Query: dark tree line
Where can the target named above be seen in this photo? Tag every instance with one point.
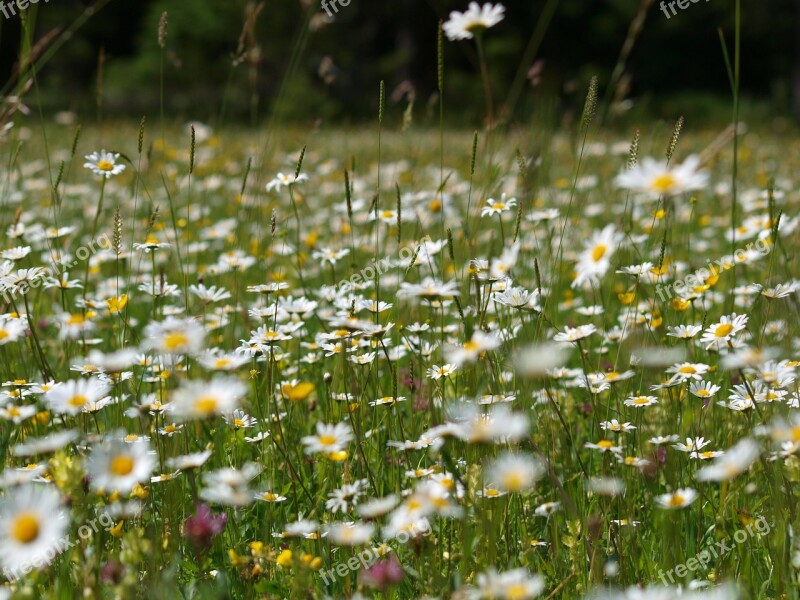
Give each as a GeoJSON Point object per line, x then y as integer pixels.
{"type": "Point", "coordinates": [232, 58]}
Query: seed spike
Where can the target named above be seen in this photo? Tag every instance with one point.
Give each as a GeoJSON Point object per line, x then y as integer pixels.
{"type": "Point", "coordinates": [590, 106]}
{"type": "Point", "coordinates": [440, 57]}
{"type": "Point", "coordinates": [673, 140]}
{"type": "Point", "coordinates": [141, 134]}
{"type": "Point", "coordinates": [381, 101]}
{"type": "Point", "coordinates": [75, 141]}
{"type": "Point", "coordinates": [191, 153]}
{"type": "Point", "coordinates": [474, 153]}
{"type": "Point", "coordinates": [300, 162]}
{"type": "Point", "coordinates": [633, 153]}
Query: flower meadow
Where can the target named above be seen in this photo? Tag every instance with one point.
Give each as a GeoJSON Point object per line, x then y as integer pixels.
{"type": "Point", "coordinates": [399, 363]}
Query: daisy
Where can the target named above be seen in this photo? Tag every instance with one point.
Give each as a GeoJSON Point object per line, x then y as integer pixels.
{"type": "Point", "coordinates": [575, 334]}
{"type": "Point", "coordinates": [722, 332]}
{"type": "Point", "coordinates": [692, 445]}
{"type": "Point", "coordinates": [463, 26]}
{"type": "Point", "coordinates": [490, 491]}
{"type": "Point", "coordinates": [150, 244]}
{"type": "Point", "coordinates": [115, 465]}
{"type": "Point", "coordinates": [287, 180]}
{"type": "Point", "coordinates": [518, 584]}
{"type": "Point", "coordinates": [33, 524]}
{"type": "Point", "coordinates": [73, 326]}
{"type": "Point", "coordinates": [678, 499]}
{"type": "Point", "coordinates": [641, 401]}
{"type": "Point", "coordinates": [604, 446]}
{"type": "Point", "coordinates": [270, 497]}
{"type": "Point", "coordinates": [349, 534]}
{"type": "Point", "coordinates": [685, 371]}
{"type": "Point", "coordinates": [229, 486]}
{"type": "Point", "coordinates": [663, 440]}
{"type": "Point", "coordinates": [201, 400]}
{"type": "Point", "coordinates": [706, 454]}
{"type": "Point", "coordinates": [633, 461]}
{"type": "Point", "coordinates": [657, 178]}
{"type": "Point", "coordinates": [104, 164]}
{"type": "Point", "coordinates": [515, 472]}
{"type": "Point", "coordinates": [703, 389]}
{"type": "Point", "coordinates": [387, 400]}
{"type": "Point", "coordinates": [684, 332]}
{"type": "Point", "coordinates": [76, 396]}
{"type": "Point", "coordinates": [240, 420]}
{"type": "Point", "coordinates": [472, 349]}
{"type": "Point", "coordinates": [329, 438]}
{"type": "Point", "coordinates": [209, 295]}
{"type": "Point", "coordinates": [175, 336]}
{"type": "Point", "coordinates": [189, 461]}
{"type": "Point", "coordinates": [498, 207]}
{"type": "Point", "coordinates": [436, 372]}
{"type": "Point", "coordinates": [45, 445]}
{"type": "Point", "coordinates": [11, 330]}
{"type": "Point", "coordinates": [377, 507]}
{"type": "Point", "coordinates": [595, 260]}
{"type": "Point", "coordinates": [429, 289]}
{"type": "Point", "coordinates": [616, 426]}
{"type": "Point", "coordinates": [539, 359]}
{"type": "Point", "coordinates": [547, 509]}
{"type": "Point", "coordinates": [734, 462]}
{"type": "Point", "coordinates": [339, 500]}
{"type": "Point", "coordinates": [222, 362]}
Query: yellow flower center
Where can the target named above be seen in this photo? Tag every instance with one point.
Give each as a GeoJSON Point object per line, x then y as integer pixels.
{"type": "Point", "coordinates": [641, 400]}
{"type": "Point", "coordinates": [175, 340]}
{"type": "Point", "coordinates": [664, 183]}
{"type": "Point", "coordinates": [78, 401]}
{"type": "Point", "coordinates": [703, 393]}
{"type": "Point", "coordinates": [26, 528]}
{"type": "Point", "coordinates": [723, 330]}
{"type": "Point", "coordinates": [676, 500]}
{"type": "Point", "coordinates": [206, 405]}
{"type": "Point", "coordinates": [491, 493]}
{"type": "Point", "coordinates": [470, 345]}
{"type": "Point", "coordinates": [121, 465]}
{"type": "Point", "coordinates": [599, 252]}
{"type": "Point", "coordinates": [513, 481]}
{"type": "Point", "coordinates": [76, 320]}
{"type": "Point", "coordinates": [105, 165]}
{"type": "Point", "coordinates": [517, 591]}
{"type": "Point", "coordinates": [327, 440]}
{"type": "Point", "coordinates": [3, 334]}
{"type": "Point", "coordinates": [605, 444]}
{"type": "Point", "coordinates": [687, 370]}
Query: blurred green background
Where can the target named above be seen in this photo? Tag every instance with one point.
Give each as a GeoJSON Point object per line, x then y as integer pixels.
{"type": "Point", "coordinates": [242, 61]}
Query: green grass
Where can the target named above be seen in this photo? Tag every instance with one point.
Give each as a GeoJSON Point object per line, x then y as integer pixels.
{"type": "Point", "coordinates": [150, 552]}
